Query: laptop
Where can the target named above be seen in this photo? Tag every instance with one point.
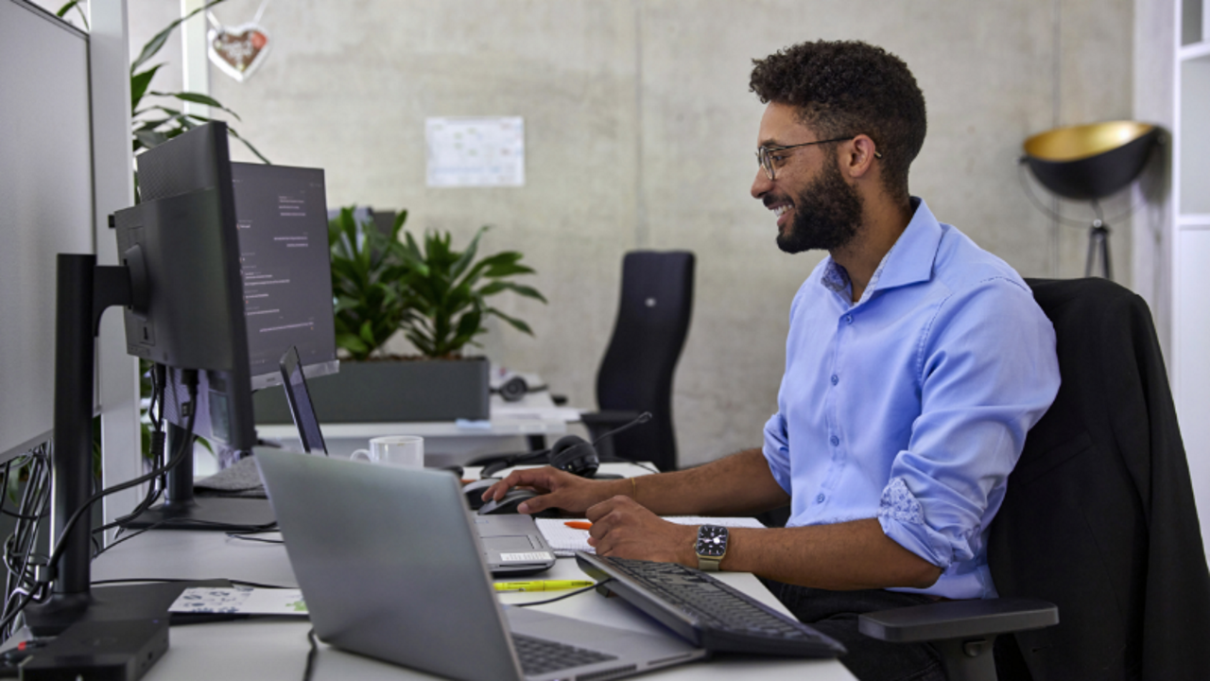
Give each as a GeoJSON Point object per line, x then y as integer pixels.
{"type": "Point", "coordinates": [512, 544]}
{"type": "Point", "coordinates": [391, 568]}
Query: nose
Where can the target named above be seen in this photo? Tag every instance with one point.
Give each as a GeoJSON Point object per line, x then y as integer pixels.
{"type": "Point", "coordinates": [761, 184]}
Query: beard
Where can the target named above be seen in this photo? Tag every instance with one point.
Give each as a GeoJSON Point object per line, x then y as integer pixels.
{"type": "Point", "coordinates": [827, 214]}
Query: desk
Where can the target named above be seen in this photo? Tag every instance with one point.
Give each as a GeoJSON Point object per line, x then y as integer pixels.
{"type": "Point", "coordinates": [448, 442]}
{"type": "Point", "coordinates": [273, 649]}
{"type": "Point", "coordinates": [276, 649]}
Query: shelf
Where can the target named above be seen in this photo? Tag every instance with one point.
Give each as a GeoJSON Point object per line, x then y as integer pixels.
{"type": "Point", "coordinates": [1195, 51]}
{"type": "Point", "coordinates": [1193, 223]}
{"type": "Point", "coordinates": [1193, 219]}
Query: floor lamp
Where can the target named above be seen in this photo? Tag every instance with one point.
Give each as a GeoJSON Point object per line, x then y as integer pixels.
{"type": "Point", "coordinates": [1088, 163]}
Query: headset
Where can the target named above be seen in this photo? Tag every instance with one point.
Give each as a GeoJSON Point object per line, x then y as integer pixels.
{"type": "Point", "coordinates": [570, 453]}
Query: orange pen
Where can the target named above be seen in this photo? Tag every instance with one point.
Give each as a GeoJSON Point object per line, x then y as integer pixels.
{"type": "Point", "coordinates": [578, 525]}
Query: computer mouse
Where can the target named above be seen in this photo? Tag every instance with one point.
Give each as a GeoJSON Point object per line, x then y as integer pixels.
{"type": "Point", "coordinates": [474, 491]}
{"type": "Point", "coordinates": [509, 503]}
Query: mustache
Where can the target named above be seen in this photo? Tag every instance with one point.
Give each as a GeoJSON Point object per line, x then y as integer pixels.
{"type": "Point", "coordinates": [770, 199]}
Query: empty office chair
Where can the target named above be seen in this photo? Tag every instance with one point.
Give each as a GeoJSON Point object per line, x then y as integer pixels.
{"type": "Point", "coordinates": [1099, 519]}
{"type": "Point", "coordinates": [636, 373]}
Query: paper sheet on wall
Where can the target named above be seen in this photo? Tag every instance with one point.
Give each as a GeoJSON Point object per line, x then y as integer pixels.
{"type": "Point", "coordinates": [565, 541]}
{"type": "Point", "coordinates": [475, 152]}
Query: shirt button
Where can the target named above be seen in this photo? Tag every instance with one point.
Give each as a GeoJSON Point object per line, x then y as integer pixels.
{"type": "Point", "coordinates": [834, 440]}
{"type": "Point", "coordinates": [848, 319]}
{"type": "Point", "coordinates": [835, 379]}
{"type": "Point", "coordinates": [819, 499]}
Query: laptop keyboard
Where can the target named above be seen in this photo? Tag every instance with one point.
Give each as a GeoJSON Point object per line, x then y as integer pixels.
{"type": "Point", "coordinates": [539, 656]}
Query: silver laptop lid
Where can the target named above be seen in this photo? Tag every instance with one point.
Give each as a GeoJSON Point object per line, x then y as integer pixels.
{"type": "Point", "coordinates": [419, 590]}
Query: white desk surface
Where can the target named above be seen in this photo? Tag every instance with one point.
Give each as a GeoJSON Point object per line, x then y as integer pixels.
{"type": "Point", "coordinates": [273, 649]}
{"type": "Point", "coordinates": [535, 414]}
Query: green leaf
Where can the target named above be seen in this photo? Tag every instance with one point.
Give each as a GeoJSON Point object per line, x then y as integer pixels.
{"type": "Point", "coordinates": [150, 138]}
{"type": "Point", "coordinates": [156, 43]}
{"type": "Point", "coordinates": [367, 331]}
{"type": "Point", "coordinates": [67, 8]}
{"type": "Point", "coordinates": [138, 86]}
{"type": "Point", "coordinates": [196, 98]}
{"type": "Point", "coordinates": [516, 323]}
{"type": "Point", "coordinates": [231, 131]}
{"type": "Point", "coordinates": [468, 255]}
{"type": "Point", "coordinates": [520, 289]}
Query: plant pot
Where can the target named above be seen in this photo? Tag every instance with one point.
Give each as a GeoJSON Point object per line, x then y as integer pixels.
{"type": "Point", "coordinates": [388, 392]}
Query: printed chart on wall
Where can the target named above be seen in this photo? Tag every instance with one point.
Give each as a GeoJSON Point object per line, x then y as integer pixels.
{"type": "Point", "coordinates": [476, 152]}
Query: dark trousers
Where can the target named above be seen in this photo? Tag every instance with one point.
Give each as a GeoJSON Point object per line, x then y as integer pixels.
{"type": "Point", "coordinates": [834, 613]}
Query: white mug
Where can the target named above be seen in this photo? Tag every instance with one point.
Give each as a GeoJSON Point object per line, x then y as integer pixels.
{"type": "Point", "coordinates": [394, 450]}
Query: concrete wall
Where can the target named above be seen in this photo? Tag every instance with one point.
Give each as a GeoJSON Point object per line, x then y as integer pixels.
{"type": "Point", "coordinates": [640, 133]}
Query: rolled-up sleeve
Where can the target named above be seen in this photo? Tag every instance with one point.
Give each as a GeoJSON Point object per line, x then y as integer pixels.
{"type": "Point", "coordinates": [777, 451]}
{"type": "Point", "coordinates": [988, 372]}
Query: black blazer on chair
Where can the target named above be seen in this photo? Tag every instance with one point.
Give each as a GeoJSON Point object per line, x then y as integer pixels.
{"type": "Point", "coordinates": [1099, 516]}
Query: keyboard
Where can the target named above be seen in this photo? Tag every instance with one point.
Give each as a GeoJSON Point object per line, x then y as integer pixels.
{"type": "Point", "coordinates": [706, 611]}
{"type": "Point", "coordinates": [539, 656]}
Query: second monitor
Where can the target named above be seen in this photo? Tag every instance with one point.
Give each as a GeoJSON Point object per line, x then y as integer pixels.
{"type": "Point", "coordinates": [282, 214]}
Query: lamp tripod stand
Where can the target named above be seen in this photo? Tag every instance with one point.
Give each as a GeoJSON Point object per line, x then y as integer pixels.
{"type": "Point", "coordinates": [1098, 246]}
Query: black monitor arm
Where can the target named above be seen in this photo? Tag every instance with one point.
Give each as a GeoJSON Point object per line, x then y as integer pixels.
{"type": "Point", "coordinates": [84, 291]}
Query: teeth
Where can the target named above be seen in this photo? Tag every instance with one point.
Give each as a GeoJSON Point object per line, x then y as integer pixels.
{"type": "Point", "coordinates": [780, 210]}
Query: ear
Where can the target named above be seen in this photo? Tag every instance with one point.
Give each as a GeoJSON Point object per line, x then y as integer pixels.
{"type": "Point", "coordinates": [859, 156]}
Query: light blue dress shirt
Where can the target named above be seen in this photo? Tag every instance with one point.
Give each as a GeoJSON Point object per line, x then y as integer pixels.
{"type": "Point", "coordinates": [912, 405]}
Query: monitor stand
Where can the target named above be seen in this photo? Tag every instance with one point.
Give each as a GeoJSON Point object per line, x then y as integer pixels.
{"type": "Point", "coordinates": [183, 510]}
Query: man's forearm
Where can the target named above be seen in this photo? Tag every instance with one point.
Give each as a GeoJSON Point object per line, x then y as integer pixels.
{"type": "Point", "coordinates": [844, 556]}
{"type": "Point", "coordinates": [740, 484]}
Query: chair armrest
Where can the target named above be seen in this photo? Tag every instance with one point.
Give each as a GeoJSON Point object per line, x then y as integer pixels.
{"type": "Point", "coordinates": [958, 619]}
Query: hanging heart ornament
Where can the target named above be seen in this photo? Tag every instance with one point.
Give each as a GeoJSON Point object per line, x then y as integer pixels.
{"type": "Point", "coordinates": [240, 50]}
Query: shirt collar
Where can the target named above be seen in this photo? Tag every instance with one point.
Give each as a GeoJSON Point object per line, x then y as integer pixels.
{"type": "Point", "coordinates": [909, 261]}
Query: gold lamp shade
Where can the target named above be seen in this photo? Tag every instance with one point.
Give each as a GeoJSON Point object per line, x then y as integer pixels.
{"type": "Point", "coordinates": [1090, 161]}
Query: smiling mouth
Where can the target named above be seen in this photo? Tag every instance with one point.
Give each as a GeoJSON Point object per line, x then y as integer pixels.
{"type": "Point", "coordinates": [779, 212]}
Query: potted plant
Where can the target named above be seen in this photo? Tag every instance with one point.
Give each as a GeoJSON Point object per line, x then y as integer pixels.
{"type": "Point", "coordinates": [436, 296]}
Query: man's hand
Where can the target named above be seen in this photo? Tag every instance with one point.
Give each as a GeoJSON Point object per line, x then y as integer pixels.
{"type": "Point", "coordinates": [624, 529]}
{"type": "Point", "coordinates": [558, 489]}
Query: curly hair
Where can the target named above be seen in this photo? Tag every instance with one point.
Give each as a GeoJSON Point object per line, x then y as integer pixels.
{"type": "Point", "coordinates": [849, 88]}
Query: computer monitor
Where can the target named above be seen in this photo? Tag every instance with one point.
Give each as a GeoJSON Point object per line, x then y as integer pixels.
{"type": "Point", "coordinates": [281, 213]}
{"type": "Point", "coordinates": [180, 283]}
{"type": "Point", "coordinates": [181, 245]}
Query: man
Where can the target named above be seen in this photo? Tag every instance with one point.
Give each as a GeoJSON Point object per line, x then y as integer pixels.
{"type": "Point", "coordinates": [915, 365]}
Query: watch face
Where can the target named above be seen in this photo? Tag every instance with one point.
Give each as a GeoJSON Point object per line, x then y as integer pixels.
{"type": "Point", "coordinates": [712, 541]}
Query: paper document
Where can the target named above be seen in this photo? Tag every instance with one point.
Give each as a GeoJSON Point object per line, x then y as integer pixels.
{"type": "Point", "coordinates": [566, 540]}
{"type": "Point", "coordinates": [240, 600]}
{"type": "Point", "coordinates": [476, 152]}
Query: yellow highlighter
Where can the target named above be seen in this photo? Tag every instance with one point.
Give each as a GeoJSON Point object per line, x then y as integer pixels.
{"type": "Point", "coordinates": [545, 585]}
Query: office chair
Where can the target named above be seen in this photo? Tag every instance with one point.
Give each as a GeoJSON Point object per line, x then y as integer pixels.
{"type": "Point", "coordinates": [1098, 518]}
{"type": "Point", "coordinates": [636, 373]}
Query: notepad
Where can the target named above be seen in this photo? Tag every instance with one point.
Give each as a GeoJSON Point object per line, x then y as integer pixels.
{"type": "Point", "coordinates": [240, 600]}
{"type": "Point", "coordinates": [565, 541]}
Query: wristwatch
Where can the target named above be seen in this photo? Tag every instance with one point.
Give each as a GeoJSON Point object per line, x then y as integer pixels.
{"type": "Point", "coordinates": [711, 546]}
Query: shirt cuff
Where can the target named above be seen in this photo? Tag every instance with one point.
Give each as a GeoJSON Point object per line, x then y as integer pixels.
{"type": "Point", "coordinates": [902, 519]}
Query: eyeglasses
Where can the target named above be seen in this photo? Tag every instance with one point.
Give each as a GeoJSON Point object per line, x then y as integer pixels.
{"type": "Point", "coordinates": [767, 155]}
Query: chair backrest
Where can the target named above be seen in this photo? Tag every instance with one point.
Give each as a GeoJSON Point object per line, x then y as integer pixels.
{"type": "Point", "coordinates": [1099, 516]}
{"type": "Point", "coordinates": [637, 370]}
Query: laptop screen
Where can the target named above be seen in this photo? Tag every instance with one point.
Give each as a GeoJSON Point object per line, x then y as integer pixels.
{"type": "Point", "coordinates": [299, 399]}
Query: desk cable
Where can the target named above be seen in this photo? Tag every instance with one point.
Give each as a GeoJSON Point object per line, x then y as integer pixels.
{"type": "Point", "coordinates": [560, 597]}
{"type": "Point", "coordinates": [37, 586]}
